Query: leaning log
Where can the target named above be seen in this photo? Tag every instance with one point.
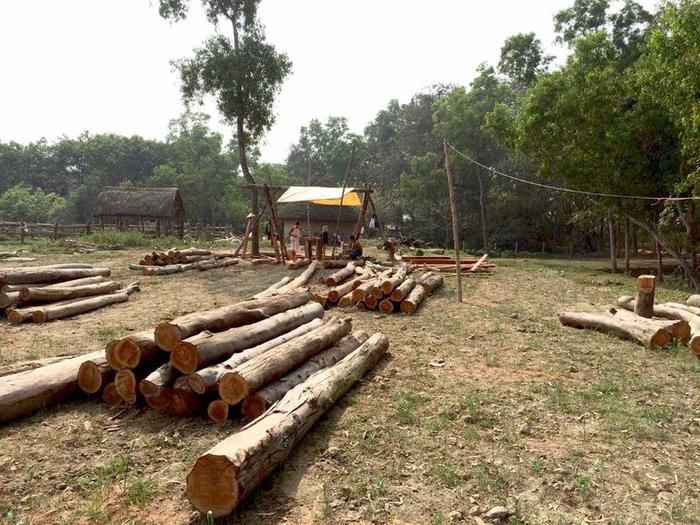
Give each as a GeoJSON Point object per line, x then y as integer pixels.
{"type": "Point", "coordinates": [256, 404]}
{"type": "Point", "coordinates": [254, 374]}
{"type": "Point", "coordinates": [646, 334]}
{"type": "Point", "coordinates": [47, 275]}
{"type": "Point", "coordinates": [204, 349]}
{"type": "Point", "coordinates": [24, 393]}
{"type": "Point", "coordinates": [273, 288]}
{"type": "Point", "coordinates": [338, 277]}
{"type": "Point", "coordinates": [53, 294]}
{"type": "Point", "coordinates": [300, 280]}
{"type": "Point", "coordinates": [410, 304]}
{"type": "Point", "coordinates": [167, 335]}
{"type": "Point", "coordinates": [227, 473]}
{"type": "Point", "coordinates": [206, 380]}
{"type": "Point", "coordinates": [216, 263]}
{"type": "Point", "coordinates": [402, 291]}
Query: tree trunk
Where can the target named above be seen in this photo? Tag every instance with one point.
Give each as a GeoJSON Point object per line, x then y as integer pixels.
{"type": "Point", "coordinates": [646, 334]}
{"type": "Point", "coordinates": [169, 334]}
{"type": "Point", "coordinates": [677, 329]}
{"type": "Point", "coordinates": [395, 280]}
{"type": "Point", "coordinates": [357, 232]}
{"type": "Point", "coordinates": [273, 288]}
{"type": "Point", "coordinates": [432, 282]}
{"type": "Point", "coordinates": [217, 263]}
{"type": "Point", "coordinates": [202, 350]}
{"type": "Point", "coordinates": [334, 294]}
{"type": "Point", "coordinates": [482, 212]}
{"type": "Point", "coordinates": [110, 395]}
{"type": "Point", "coordinates": [218, 410]}
{"type": "Point", "coordinates": [252, 375]}
{"type": "Point", "coordinates": [230, 471]}
{"type": "Point", "coordinates": [387, 306]}
{"type": "Point", "coordinates": [627, 246]}
{"type": "Point", "coordinates": [48, 275]}
{"type": "Point", "coordinates": [611, 231]}
{"type": "Point", "coordinates": [79, 306]}
{"type": "Point", "coordinates": [644, 305]}
{"type": "Point", "coordinates": [402, 291]}
{"type": "Point", "coordinates": [338, 277]}
{"type": "Point", "coordinates": [410, 304]}
{"type": "Point", "coordinates": [300, 280]}
{"type": "Point", "coordinates": [256, 404]}
{"type": "Point", "coordinates": [53, 294]}
{"type": "Point", "coordinates": [96, 372]}
{"type": "Point", "coordinates": [23, 393]}
{"type": "Point", "coordinates": [360, 293]}
{"type": "Point", "coordinates": [32, 364]}
{"type": "Point", "coordinates": [127, 385]}
{"type": "Point", "coordinates": [206, 379]}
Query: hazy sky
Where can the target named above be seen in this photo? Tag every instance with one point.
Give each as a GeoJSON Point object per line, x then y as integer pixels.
{"type": "Point", "coordinates": [104, 65]}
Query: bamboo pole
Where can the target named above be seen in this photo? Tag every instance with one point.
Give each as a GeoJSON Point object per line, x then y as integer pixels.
{"type": "Point", "coordinates": [455, 227]}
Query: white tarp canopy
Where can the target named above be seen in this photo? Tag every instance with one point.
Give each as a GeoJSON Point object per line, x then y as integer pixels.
{"type": "Point", "coordinates": [321, 195]}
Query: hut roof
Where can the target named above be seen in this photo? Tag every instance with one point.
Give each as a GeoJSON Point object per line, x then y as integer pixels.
{"type": "Point", "coordinates": [140, 202]}
{"type": "Point", "coordinates": [318, 212]}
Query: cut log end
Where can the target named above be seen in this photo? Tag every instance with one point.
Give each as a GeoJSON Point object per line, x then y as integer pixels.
{"type": "Point", "coordinates": [110, 395]}
{"type": "Point", "coordinates": [160, 401]}
{"type": "Point", "coordinates": [184, 357]}
{"type": "Point", "coordinates": [233, 388]}
{"type": "Point", "coordinates": [660, 339]}
{"type": "Point", "coordinates": [39, 316]}
{"type": "Point", "coordinates": [197, 384]}
{"type": "Point", "coordinates": [125, 381]}
{"type": "Point", "coordinates": [89, 377]}
{"type": "Point", "coordinates": [407, 307]}
{"type": "Point", "coordinates": [126, 353]}
{"type": "Point", "coordinates": [254, 406]}
{"type": "Point", "coordinates": [212, 485]}
{"type": "Point", "coordinates": [14, 317]}
{"type": "Point", "coordinates": [218, 410]}
{"type": "Point", "coordinates": [167, 336]}
{"type": "Point", "coordinates": [694, 345]}
{"type": "Point", "coordinates": [149, 389]}
{"type": "Point", "coordinates": [386, 306]}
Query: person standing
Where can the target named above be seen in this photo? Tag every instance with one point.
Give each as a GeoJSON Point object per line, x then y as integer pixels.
{"type": "Point", "coordinates": [295, 234]}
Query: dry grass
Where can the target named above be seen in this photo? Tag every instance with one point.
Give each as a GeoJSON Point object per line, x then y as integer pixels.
{"type": "Point", "coordinates": [614, 428]}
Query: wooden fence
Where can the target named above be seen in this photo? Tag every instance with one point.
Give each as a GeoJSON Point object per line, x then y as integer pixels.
{"type": "Point", "coordinates": [21, 230]}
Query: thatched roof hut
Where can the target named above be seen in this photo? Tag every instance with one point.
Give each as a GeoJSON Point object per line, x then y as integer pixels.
{"type": "Point", "coordinates": [129, 204]}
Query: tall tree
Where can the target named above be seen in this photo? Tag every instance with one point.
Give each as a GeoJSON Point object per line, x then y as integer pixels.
{"type": "Point", "coordinates": [243, 74]}
{"type": "Point", "coordinates": [523, 59]}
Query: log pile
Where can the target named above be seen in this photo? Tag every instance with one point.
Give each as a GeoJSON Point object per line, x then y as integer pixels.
{"type": "Point", "coordinates": [45, 293]}
{"type": "Point", "coordinates": [639, 319]}
{"type": "Point", "coordinates": [184, 256]}
{"type": "Point", "coordinates": [374, 287]}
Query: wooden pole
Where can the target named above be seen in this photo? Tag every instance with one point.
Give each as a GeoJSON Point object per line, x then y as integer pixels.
{"type": "Point", "coordinates": [644, 305]}
{"type": "Point", "coordinates": [342, 196]}
{"type": "Point", "coordinates": [455, 227]}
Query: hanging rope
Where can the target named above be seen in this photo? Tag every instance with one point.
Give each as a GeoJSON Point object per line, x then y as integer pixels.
{"type": "Point", "coordinates": [567, 190]}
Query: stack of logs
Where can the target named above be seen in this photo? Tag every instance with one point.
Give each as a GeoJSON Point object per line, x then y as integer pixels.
{"type": "Point", "coordinates": [376, 288]}
{"type": "Point", "coordinates": [176, 261]}
{"type": "Point", "coordinates": [639, 319]}
{"type": "Point", "coordinates": [446, 264]}
{"type": "Point", "coordinates": [45, 293]}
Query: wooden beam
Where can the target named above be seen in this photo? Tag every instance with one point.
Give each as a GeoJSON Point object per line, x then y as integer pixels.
{"type": "Point", "coordinates": [455, 227]}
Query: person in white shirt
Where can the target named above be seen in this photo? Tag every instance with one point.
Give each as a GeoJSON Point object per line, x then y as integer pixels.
{"type": "Point", "coordinates": [295, 234]}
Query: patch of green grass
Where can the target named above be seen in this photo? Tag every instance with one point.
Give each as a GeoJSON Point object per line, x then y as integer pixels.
{"type": "Point", "coordinates": [445, 474]}
{"type": "Point", "coordinates": [489, 479]}
{"type": "Point", "coordinates": [536, 465]}
{"type": "Point", "coordinates": [442, 421]}
{"type": "Point", "coordinates": [583, 483]}
{"type": "Point", "coordinates": [138, 492]}
{"type": "Point", "coordinates": [475, 403]}
{"type": "Point", "coordinates": [105, 334]}
{"type": "Point", "coordinates": [406, 404]}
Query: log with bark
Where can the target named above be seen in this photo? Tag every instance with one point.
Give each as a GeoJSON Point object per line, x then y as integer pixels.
{"type": "Point", "coordinates": [163, 377]}
{"type": "Point", "coordinates": [110, 395]}
{"type": "Point", "coordinates": [346, 301]}
{"type": "Point", "coordinates": [335, 293]}
{"type": "Point", "coordinates": [474, 267]}
{"type": "Point", "coordinates": [389, 283]}
{"type": "Point", "coordinates": [669, 311]}
{"type": "Point", "coordinates": [371, 302]}
{"type": "Point", "coordinates": [226, 474]}
{"type": "Point", "coordinates": [301, 263]}
{"type": "Point", "coordinates": [360, 293]}
{"type": "Point", "coordinates": [338, 277]}
{"type": "Point", "coordinates": [96, 372]}
{"type": "Point", "coordinates": [127, 385]}
{"type": "Point", "coordinates": [410, 304]}
{"type": "Point", "coordinates": [644, 304]}
{"type": "Point", "coordinates": [134, 350]}
{"type": "Point", "coordinates": [62, 293]}
{"type": "Point", "coordinates": [256, 404]}
{"type": "Point", "coordinates": [53, 311]}
{"type": "Point", "coordinates": [216, 263]}
{"type": "Point", "coordinates": [48, 275]}
{"type": "Point", "coordinates": [206, 380]}
{"type": "Point", "coordinates": [299, 281]}
{"type": "Point", "coordinates": [24, 393]}
{"type": "Point", "coordinates": [168, 334]}
{"type": "Point", "coordinates": [388, 306]}
{"type": "Point", "coordinates": [644, 333]}
{"type": "Point", "coordinates": [677, 328]}
{"type": "Point", "coordinates": [693, 300]}
{"type": "Point", "coordinates": [252, 375]}
{"type": "Point", "coordinates": [402, 291]}
{"type": "Point", "coordinates": [432, 283]}
{"type": "Point", "coordinates": [32, 364]}
{"type": "Point", "coordinates": [332, 264]}
{"type": "Point", "coordinates": [273, 288]}
{"type": "Point", "coordinates": [207, 348]}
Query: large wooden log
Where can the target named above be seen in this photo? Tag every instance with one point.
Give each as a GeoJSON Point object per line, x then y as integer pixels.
{"type": "Point", "coordinates": [677, 328]}
{"type": "Point", "coordinates": [371, 302]}
{"type": "Point", "coordinates": [432, 283]}
{"type": "Point", "coordinates": [252, 375]}
{"type": "Point", "coordinates": [644, 333]}
{"type": "Point", "coordinates": [79, 306]}
{"type": "Point", "coordinates": [387, 306]}
{"type": "Point", "coordinates": [301, 263]}
{"type": "Point", "coordinates": [134, 350]}
{"type": "Point", "coordinates": [216, 263]}
{"type": "Point", "coordinates": [227, 473]}
{"type": "Point", "coordinates": [167, 335]}
{"type": "Point", "coordinates": [32, 364]}
{"type": "Point", "coordinates": [332, 264]}
{"type": "Point", "coordinates": [334, 294]}
{"type": "Point", "coordinates": [474, 267]}
{"type": "Point", "coordinates": [256, 404]}
{"type": "Point", "coordinates": [393, 281]}
{"type": "Point", "coordinates": [273, 288]}
{"type": "Point", "coordinates": [11, 294]}
{"type": "Point", "coordinates": [693, 300]}
{"type": "Point", "coordinates": [96, 372]}
{"type": "Point", "coordinates": [47, 275]}
{"type": "Point", "coordinates": [346, 301]}
{"type": "Point", "coordinates": [19, 315]}
{"type": "Point", "coordinates": [204, 349]}
{"type": "Point", "coordinates": [161, 378]}
{"type": "Point", "coordinates": [402, 291]}
{"type": "Point", "coordinates": [24, 393]}
{"type": "Point", "coordinates": [300, 280]}
{"type": "Point", "coordinates": [110, 395]}
{"type": "Point", "coordinates": [206, 380]}
{"type": "Point", "coordinates": [669, 311]}
{"type": "Point", "coordinates": [127, 385]}
{"type": "Point", "coordinates": [360, 293]}
{"type": "Point", "coordinates": [410, 304]}
{"type": "Point", "coordinates": [644, 304]}
{"type": "Point", "coordinates": [62, 293]}
{"type": "Point", "coordinates": [338, 277]}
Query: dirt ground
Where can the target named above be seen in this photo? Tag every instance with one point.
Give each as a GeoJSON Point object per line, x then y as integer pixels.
{"type": "Point", "coordinates": [490, 402]}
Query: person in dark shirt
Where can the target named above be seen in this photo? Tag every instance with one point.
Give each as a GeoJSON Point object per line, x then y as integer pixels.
{"type": "Point", "coordinates": [355, 248]}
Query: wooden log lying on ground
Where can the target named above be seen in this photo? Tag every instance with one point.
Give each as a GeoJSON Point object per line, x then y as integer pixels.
{"type": "Point", "coordinates": [677, 328]}
{"type": "Point", "coordinates": [346, 301]}
{"type": "Point", "coordinates": [474, 267]}
{"type": "Point", "coordinates": [47, 275]}
{"type": "Point", "coordinates": [110, 395]}
{"type": "Point", "coordinates": [668, 311]}
{"type": "Point", "coordinates": [360, 293]}
{"type": "Point", "coordinates": [389, 283]}
{"type": "Point", "coordinates": [62, 293]}
{"type": "Point", "coordinates": [432, 283]}
{"type": "Point", "coordinates": [204, 349]}
{"type": "Point", "coordinates": [12, 292]}
{"type": "Point", "coordinates": [19, 315]}
{"type": "Point", "coordinates": [24, 393]}
{"type": "Point", "coordinates": [402, 291]}
{"type": "Point", "coordinates": [96, 372]}
{"type": "Point", "coordinates": [168, 334]}
{"type": "Point", "coordinates": [331, 264]}
{"type": "Point", "coordinates": [273, 288]}
{"type": "Point", "coordinates": [338, 277]}
{"type": "Point", "coordinates": [646, 334]}
{"type": "Point", "coordinates": [334, 294]}
{"type": "Point", "coordinates": [184, 402]}
{"type": "Point", "coordinates": [134, 350]}
{"type": "Point", "coordinates": [644, 304]}
{"type": "Point", "coordinates": [206, 380]}
{"type": "Point", "coordinates": [387, 306]}
{"type": "Point", "coordinates": [300, 280]}
{"type": "Point", "coordinates": [227, 473]}
{"type": "Point", "coordinates": [218, 410]}
{"type": "Point", "coordinates": [79, 306]}
{"type": "Point", "coordinates": [163, 377]}
{"type": "Point", "coordinates": [693, 300]}
{"type": "Point", "coordinates": [301, 263]}
{"type": "Point", "coordinates": [32, 364]}
{"type": "Point", "coordinates": [5, 255]}
{"type": "Point", "coordinates": [256, 404]}
{"type": "Point", "coordinates": [216, 263]}
{"type": "Point", "coordinates": [410, 304]}
{"type": "Point", "coordinates": [127, 385]}
{"type": "Point", "coordinates": [371, 302]}
{"type": "Point", "coordinates": [252, 375]}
